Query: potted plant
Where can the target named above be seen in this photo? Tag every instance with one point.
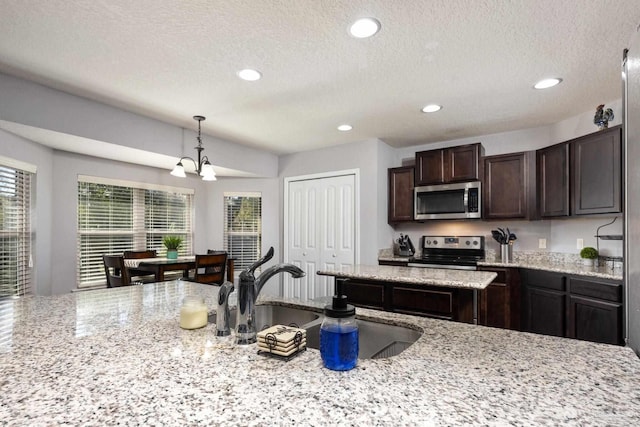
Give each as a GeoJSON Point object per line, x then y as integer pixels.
{"type": "Point", "coordinates": [172, 243]}
{"type": "Point", "coordinates": [588, 254]}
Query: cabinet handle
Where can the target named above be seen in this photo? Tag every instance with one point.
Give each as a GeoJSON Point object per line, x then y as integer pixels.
{"type": "Point", "coordinates": [334, 255]}
{"type": "Point", "coordinates": [304, 254]}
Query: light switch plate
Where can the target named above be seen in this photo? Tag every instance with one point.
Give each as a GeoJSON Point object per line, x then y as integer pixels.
{"type": "Point", "coordinates": [580, 244]}
{"type": "Point", "coordinates": [542, 243]}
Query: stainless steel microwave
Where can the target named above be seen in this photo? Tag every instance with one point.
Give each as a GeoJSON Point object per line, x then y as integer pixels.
{"type": "Point", "coordinates": [448, 201]}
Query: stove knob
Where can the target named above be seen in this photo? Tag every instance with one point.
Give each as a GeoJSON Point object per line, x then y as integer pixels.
{"type": "Point", "coordinates": [428, 242]}
{"type": "Point", "coordinates": [435, 242]}
{"type": "Point", "coordinates": [468, 243]}
{"type": "Point", "coordinates": [475, 242]}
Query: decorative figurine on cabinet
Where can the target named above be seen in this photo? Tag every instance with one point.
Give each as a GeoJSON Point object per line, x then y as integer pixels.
{"type": "Point", "coordinates": [602, 117]}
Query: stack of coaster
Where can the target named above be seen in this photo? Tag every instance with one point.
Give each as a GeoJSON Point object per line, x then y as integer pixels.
{"type": "Point", "coordinates": [280, 340]}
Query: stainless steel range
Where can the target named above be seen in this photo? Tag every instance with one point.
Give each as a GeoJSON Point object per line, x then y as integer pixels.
{"type": "Point", "coordinates": [452, 252]}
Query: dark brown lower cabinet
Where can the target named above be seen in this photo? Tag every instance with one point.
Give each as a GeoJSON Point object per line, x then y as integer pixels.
{"type": "Point", "coordinates": [572, 306]}
{"type": "Point", "coordinates": [434, 302]}
{"type": "Point", "coordinates": [365, 294]}
{"type": "Point", "coordinates": [499, 303]}
{"type": "Point", "coordinates": [593, 320]}
{"type": "Point", "coordinates": [545, 311]}
{"type": "Point", "coordinates": [429, 301]}
{"type": "Point", "coordinates": [595, 311]}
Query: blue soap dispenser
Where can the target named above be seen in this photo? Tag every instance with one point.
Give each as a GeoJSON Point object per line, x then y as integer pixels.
{"type": "Point", "coordinates": [339, 335]}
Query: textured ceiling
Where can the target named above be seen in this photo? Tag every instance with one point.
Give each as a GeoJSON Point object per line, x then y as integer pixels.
{"type": "Point", "coordinates": [478, 58]}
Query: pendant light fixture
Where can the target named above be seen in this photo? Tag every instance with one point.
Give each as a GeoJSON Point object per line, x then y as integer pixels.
{"type": "Point", "coordinates": [203, 167]}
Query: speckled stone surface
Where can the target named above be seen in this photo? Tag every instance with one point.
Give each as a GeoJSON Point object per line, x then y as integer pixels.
{"type": "Point", "coordinates": [118, 357]}
{"type": "Point", "coordinates": [415, 275]}
{"type": "Point", "coordinates": [549, 261]}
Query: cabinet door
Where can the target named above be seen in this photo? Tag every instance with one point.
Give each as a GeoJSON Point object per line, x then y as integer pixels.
{"type": "Point", "coordinates": [506, 186]}
{"type": "Point", "coordinates": [432, 302]}
{"type": "Point", "coordinates": [400, 194]}
{"type": "Point", "coordinates": [595, 320]}
{"type": "Point", "coordinates": [499, 303]}
{"type": "Point", "coordinates": [461, 163]}
{"type": "Point", "coordinates": [429, 167]}
{"type": "Point", "coordinates": [362, 294]}
{"type": "Point", "coordinates": [553, 180]}
{"type": "Point", "coordinates": [544, 311]}
{"type": "Point", "coordinates": [597, 172]}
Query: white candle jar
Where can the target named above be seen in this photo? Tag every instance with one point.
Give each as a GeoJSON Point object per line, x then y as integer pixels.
{"type": "Point", "coordinates": [193, 313]}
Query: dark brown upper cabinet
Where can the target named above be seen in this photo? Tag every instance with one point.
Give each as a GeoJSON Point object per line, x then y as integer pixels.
{"type": "Point", "coordinates": [400, 194]}
{"type": "Point", "coordinates": [509, 186]}
{"type": "Point", "coordinates": [596, 164]}
{"type": "Point", "coordinates": [553, 180]}
{"type": "Point", "coordinates": [454, 164]}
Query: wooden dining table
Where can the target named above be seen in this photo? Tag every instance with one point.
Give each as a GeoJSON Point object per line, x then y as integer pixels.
{"type": "Point", "coordinates": [159, 265]}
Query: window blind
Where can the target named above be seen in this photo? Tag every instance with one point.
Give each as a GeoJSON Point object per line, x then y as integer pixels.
{"type": "Point", "coordinates": [115, 218]}
{"type": "Point", "coordinates": [243, 228]}
{"type": "Point", "coordinates": [15, 232]}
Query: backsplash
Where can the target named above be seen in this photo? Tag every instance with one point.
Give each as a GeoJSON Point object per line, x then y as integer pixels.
{"type": "Point", "coordinates": [560, 235]}
{"type": "Point", "coordinates": [527, 257]}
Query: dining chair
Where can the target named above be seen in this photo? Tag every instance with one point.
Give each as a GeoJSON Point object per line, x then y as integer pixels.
{"type": "Point", "coordinates": [210, 268]}
{"type": "Point", "coordinates": [116, 272]}
{"type": "Point", "coordinates": [142, 275]}
{"type": "Point", "coordinates": [230, 263]}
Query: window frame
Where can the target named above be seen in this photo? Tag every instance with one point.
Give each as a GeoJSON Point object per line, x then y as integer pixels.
{"type": "Point", "coordinates": [20, 251]}
{"type": "Point", "coordinates": [137, 235]}
{"type": "Point", "coordinates": [243, 260]}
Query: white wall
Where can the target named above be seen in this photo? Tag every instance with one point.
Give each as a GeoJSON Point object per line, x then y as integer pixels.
{"type": "Point", "coordinates": [271, 232]}
{"type": "Point", "coordinates": [31, 104]}
{"type": "Point", "coordinates": [360, 155]}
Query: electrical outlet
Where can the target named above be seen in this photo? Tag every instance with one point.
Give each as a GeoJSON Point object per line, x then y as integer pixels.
{"type": "Point", "coordinates": [542, 243]}
{"type": "Point", "coordinates": [580, 244]}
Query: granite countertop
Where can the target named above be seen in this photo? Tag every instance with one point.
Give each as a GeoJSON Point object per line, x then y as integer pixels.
{"type": "Point", "coordinates": [533, 263]}
{"type": "Point", "coordinates": [415, 275]}
{"type": "Point", "coordinates": [118, 356]}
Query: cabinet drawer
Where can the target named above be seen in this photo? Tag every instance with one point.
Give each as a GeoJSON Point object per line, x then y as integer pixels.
{"type": "Point", "coordinates": [600, 290]}
{"type": "Point", "coordinates": [429, 301]}
{"type": "Point", "coordinates": [364, 294]}
{"type": "Point", "coordinates": [544, 279]}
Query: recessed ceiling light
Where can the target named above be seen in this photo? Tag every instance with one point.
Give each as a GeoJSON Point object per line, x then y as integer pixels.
{"type": "Point", "coordinates": [547, 83]}
{"type": "Point", "coordinates": [432, 108]}
{"type": "Point", "coordinates": [249, 75]}
{"type": "Point", "coordinates": [345, 128]}
{"type": "Point", "coordinates": [365, 27]}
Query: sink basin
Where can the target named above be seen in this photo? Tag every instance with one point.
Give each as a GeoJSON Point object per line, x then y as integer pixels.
{"type": "Point", "coordinates": [268, 315]}
{"type": "Point", "coordinates": [375, 340]}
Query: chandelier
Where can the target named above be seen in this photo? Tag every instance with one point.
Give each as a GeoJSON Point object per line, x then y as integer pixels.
{"type": "Point", "coordinates": [203, 167]}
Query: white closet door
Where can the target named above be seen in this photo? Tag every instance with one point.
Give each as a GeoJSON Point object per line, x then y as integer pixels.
{"type": "Point", "coordinates": [303, 243]}
{"type": "Point", "coordinates": [320, 232]}
{"type": "Point", "coordinates": [337, 229]}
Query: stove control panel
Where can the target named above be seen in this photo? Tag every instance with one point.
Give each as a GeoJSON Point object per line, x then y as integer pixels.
{"type": "Point", "coordinates": [453, 242]}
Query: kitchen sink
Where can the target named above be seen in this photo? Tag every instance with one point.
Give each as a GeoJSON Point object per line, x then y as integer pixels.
{"type": "Point", "coordinates": [268, 315]}
{"type": "Point", "coordinates": [375, 340]}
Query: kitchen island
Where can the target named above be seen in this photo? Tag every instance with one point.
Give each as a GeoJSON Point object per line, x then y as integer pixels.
{"type": "Point", "coordinates": [118, 356]}
{"type": "Point", "coordinates": [435, 292]}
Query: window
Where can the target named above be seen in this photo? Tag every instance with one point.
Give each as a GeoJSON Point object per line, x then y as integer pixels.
{"type": "Point", "coordinates": [243, 228]}
{"type": "Point", "coordinates": [116, 216]}
{"type": "Point", "coordinates": [15, 231]}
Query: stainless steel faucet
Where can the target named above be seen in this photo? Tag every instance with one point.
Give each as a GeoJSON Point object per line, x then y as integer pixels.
{"type": "Point", "coordinates": [249, 288]}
